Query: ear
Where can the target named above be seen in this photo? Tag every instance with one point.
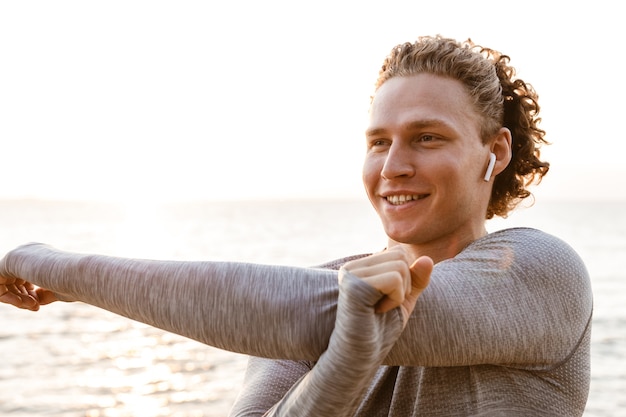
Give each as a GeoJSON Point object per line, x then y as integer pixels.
{"type": "Point", "coordinates": [502, 148]}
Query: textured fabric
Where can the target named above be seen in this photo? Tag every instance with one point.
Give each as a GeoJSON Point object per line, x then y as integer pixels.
{"type": "Point", "coordinates": [359, 343]}
{"type": "Point", "coordinates": [502, 329]}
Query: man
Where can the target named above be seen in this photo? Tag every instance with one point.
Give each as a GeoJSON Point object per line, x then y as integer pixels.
{"type": "Point", "coordinates": [499, 326]}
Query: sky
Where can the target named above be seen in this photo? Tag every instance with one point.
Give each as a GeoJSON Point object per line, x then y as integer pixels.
{"type": "Point", "coordinates": [200, 100]}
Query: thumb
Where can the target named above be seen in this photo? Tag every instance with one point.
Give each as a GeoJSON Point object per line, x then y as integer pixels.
{"type": "Point", "coordinates": [45, 296]}
{"type": "Point", "coordinates": [420, 274]}
{"type": "Point", "coordinates": [420, 277]}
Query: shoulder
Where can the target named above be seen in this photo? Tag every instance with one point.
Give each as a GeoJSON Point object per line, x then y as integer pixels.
{"type": "Point", "coordinates": [518, 235]}
{"type": "Point", "coordinates": [533, 256]}
{"type": "Point", "coordinates": [527, 245]}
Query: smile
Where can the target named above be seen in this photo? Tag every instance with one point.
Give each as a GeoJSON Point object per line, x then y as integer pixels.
{"type": "Point", "coordinates": [397, 200]}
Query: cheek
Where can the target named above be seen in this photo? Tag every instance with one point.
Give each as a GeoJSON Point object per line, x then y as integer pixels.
{"type": "Point", "coordinates": [465, 179]}
{"type": "Point", "coordinates": [371, 172]}
{"type": "Point", "coordinates": [460, 169]}
{"type": "Point", "coordinates": [452, 177]}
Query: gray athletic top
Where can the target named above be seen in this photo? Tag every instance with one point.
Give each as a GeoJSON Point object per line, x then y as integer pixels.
{"type": "Point", "coordinates": [503, 329]}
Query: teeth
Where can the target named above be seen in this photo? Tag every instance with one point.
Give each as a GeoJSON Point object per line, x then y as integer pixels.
{"type": "Point", "coordinates": [397, 200]}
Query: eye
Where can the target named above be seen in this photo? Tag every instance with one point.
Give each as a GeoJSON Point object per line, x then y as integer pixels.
{"type": "Point", "coordinates": [378, 143]}
{"type": "Point", "coordinates": [428, 140]}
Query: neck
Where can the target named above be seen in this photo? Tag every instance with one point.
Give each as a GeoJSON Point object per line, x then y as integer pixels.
{"type": "Point", "coordinates": [442, 249]}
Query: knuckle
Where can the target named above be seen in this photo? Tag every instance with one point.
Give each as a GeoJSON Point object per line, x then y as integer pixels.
{"type": "Point", "coordinates": [397, 279]}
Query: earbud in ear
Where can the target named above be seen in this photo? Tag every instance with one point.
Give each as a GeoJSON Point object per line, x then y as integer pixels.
{"type": "Point", "coordinates": [492, 163]}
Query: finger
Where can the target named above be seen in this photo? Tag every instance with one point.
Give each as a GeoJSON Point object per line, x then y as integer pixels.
{"type": "Point", "coordinates": [394, 254]}
{"type": "Point", "coordinates": [17, 294]}
{"type": "Point", "coordinates": [386, 304]}
{"type": "Point", "coordinates": [421, 270]}
{"type": "Point", "coordinates": [392, 286]}
{"type": "Point", "coordinates": [26, 302]}
{"type": "Point", "coordinates": [369, 271]}
{"type": "Point", "coordinates": [393, 279]}
{"type": "Point", "coordinates": [402, 254]}
{"type": "Point", "coordinates": [408, 282]}
{"type": "Point", "coordinates": [18, 289]}
{"type": "Point", "coordinates": [390, 283]}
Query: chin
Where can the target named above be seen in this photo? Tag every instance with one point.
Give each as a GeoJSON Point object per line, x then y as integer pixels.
{"type": "Point", "coordinates": [403, 237]}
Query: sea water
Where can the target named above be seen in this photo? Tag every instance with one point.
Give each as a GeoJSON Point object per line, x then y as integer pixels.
{"type": "Point", "coordinates": [76, 360]}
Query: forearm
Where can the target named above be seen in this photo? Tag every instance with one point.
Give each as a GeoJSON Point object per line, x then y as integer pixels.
{"type": "Point", "coordinates": [259, 310]}
{"type": "Point", "coordinates": [358, 346]}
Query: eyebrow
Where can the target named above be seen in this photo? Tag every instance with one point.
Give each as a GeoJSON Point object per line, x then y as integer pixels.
{"type": "Point", "coordinates": [415, 125]}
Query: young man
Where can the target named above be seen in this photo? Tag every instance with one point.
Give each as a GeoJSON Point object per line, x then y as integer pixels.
{"type": "Point", "coordinates": [499, 326]}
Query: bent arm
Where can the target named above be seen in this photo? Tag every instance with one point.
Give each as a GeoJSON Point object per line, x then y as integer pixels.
{"type": "Point", "coordinates": [358, 345]}
{"type": "Point", "coordinates": [518, 297]}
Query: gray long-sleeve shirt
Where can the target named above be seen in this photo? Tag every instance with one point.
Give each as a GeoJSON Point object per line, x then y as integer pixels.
{"type": "Point", "coordinates": [502, 329]}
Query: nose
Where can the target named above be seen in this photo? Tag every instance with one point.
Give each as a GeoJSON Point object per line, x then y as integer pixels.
{"type": "Point", "coordinates": [398, 163]}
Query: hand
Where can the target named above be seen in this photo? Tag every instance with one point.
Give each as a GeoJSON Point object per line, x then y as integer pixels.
{"type": "Point", "coordinates": [396, 275]}
{"type": "Point", "coordinates": [23, 294]}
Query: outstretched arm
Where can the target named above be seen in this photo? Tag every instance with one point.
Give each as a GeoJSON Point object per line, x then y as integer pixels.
{"type": "Point", "coordinates": [372, 310]}
{"type": "Point", "coordinates": [515, 297]}
{"type": "Point", "coordinates": [234, 306]}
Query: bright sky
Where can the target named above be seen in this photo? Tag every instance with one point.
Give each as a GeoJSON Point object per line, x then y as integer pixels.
{"type": "Point", "coordinates": [261, 99]}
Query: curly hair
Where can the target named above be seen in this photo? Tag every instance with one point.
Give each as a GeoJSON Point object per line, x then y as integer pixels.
{"type": "Point", "coordinates": [499, 97]}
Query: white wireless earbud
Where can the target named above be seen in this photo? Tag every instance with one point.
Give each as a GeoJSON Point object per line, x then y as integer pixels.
{"type": "Point", "coordinates": [492, 163]}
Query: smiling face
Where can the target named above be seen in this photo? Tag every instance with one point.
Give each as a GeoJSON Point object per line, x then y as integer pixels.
{"type": "Point", "coordinates": [425, 164]}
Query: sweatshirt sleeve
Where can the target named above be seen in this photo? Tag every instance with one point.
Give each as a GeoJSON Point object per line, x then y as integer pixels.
{"type": "Point", "coordinates": [518, 297]}
{"type": "Point", "coordinates": [358, 345]}
{"type": "Point", "coordinates": [268, 311]}
{"type": "Point", "coordinates": [515, 297]}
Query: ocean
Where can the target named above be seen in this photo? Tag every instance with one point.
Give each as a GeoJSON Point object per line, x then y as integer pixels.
{"type": "Point", "coordinates": [75, 360]}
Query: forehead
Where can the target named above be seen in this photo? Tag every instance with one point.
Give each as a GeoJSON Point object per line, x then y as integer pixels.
{"type": "Point", "coordinates": [406, 100]}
